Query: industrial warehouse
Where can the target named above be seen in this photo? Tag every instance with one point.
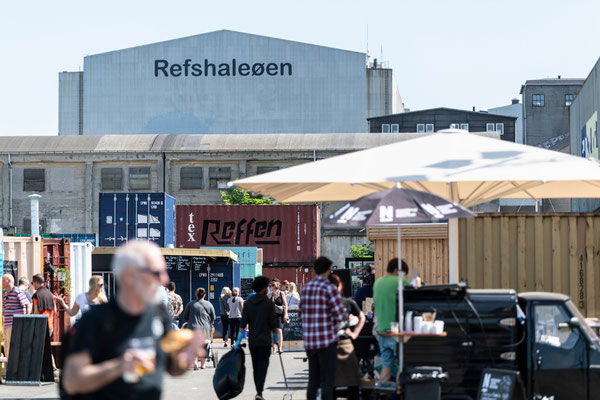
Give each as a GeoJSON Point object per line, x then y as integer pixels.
{"type": "Point", "coordinates": [249, 84]}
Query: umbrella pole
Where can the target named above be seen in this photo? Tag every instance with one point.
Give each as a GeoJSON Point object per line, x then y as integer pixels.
{"type": "Point", "coordinates": [400, 304]}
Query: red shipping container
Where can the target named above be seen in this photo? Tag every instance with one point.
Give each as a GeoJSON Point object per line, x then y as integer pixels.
{"type": "Point", "coordinates": [288, 234]}
{"type": "Point", "coordinates": [56, 254]}
{"type": "Point", "coordinates": [299, 275]}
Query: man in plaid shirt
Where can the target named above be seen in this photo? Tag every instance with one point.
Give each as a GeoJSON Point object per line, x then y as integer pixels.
{"type": "Point", "coordinates": [321, 311]}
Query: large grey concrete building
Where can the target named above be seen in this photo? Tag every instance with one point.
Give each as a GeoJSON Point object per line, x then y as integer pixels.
{"type": "Point", "coordinates": [583, 128]}
{"type": "Point", "coordinates": [225, 82]}
{"type": "Point", "coordinates": [546, 105]}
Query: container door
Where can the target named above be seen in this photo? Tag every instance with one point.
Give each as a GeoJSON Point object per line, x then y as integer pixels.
{"type": "Point", "coordinates": [148, 217]}
{"type": "Point", "coordinates": [114, 215]}
{"type": "Point", "coordinates": [559, 358]}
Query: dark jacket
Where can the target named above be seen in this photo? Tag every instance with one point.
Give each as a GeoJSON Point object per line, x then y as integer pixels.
{"type": "Point", "coordinates": [259, 314]}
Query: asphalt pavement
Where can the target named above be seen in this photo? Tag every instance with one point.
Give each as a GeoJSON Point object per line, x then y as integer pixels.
{"type": "Point", "coordinates": [198, 384]}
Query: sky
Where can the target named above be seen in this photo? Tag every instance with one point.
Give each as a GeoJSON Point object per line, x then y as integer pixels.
{"type": "Point", "coordinates": [444, 53]}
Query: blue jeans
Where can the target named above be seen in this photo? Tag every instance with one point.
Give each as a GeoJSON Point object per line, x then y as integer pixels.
{"type": "Point", "coordinates": [387, 348]}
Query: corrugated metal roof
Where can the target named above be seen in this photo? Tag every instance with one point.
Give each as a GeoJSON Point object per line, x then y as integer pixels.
{"type": "Point", "coordinates": [201, 143]}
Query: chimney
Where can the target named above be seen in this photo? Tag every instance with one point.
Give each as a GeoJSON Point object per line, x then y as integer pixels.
{"type": "Point", "coordinates": [559, 77]}
{"type": "Point", "coordinates": [515, 101]}
{"type": "Point", "coordinates": [35, 214]}
{"type": "Point", "coordinates": [473, 108]}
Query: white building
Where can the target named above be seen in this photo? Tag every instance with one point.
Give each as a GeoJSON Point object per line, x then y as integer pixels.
{"type": "Point", "coordinates": [515, 109]}
{"type": "Point", "coordinates": [225, 82]}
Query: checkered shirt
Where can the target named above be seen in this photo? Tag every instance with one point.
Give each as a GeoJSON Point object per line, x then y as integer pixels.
{"type": "Point", "coordinates": [321, 311]}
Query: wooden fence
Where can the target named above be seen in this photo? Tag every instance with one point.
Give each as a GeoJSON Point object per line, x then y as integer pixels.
{"type": "Point", "coordinates": [424, 248]}
{"type": "Point", "coordinates": [534, 252]}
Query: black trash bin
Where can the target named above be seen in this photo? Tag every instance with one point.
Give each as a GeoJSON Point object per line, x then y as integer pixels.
{"type": "Point", "coordinates": [422, 383]}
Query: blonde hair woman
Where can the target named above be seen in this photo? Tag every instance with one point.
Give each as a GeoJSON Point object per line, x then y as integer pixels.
{"type": "Point", "coordinates": [83, 301]}
{"type": "Point", "coordinates": [292, 297]}
{"type": "Point", "coordinates": [236, 305]}
{"type": "Point", "coordinates": [224, 309]}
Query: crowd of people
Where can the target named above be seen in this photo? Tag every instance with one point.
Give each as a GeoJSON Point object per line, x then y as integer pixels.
{"type": "Point", "coordinates": [115, 346]}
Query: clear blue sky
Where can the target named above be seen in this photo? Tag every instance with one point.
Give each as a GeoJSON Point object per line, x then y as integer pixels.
{"type": "Point", "coordinates": [453, 53]}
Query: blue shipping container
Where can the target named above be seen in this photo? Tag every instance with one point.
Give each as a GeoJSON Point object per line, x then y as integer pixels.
{"type": "Point", "coordinates": [125, 216]}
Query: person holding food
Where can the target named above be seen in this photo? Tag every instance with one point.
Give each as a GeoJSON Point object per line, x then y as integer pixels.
{"type": "Point", "coordinates": [115, 349]}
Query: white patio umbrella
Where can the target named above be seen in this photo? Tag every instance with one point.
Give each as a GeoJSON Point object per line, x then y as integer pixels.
{"type": "Point", "coordinates": [463, 167]}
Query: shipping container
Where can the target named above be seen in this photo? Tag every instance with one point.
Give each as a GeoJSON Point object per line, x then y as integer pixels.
{"type": "Point", "coordinates": [57, 275]}
{"type": "Point", "coordinates": [424, 248]}
{"type": "Point", "coordinates": [550, 252]}
{"type": "Point", "coordinates": [22, 256]}
{"type": "Point", "coordinates": [288, 234]}
{"type": "Point", "coordinates": [247, 257]}
{"type": "Point", "coordinates": [299, 275]}
{"type": "Point", "coordinates": [81, 269]}
{"type": "Point", "coordinates": [125, 216]}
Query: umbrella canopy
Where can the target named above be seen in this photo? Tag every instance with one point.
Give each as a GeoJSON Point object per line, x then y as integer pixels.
{"type": "Point", "coordinates": [393, 207]}
{"type": "Point", "coordinates": [463, 167]}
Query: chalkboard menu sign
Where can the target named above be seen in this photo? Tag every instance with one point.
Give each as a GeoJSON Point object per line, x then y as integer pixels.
{"type": "Point", "coordinates": [185, 263]}
{"type": "Point", "coordinates": [198, 262]}
{"type": "Point", "coordinates": [498, 384]}
{"type": "Point", "coordinates": [292, 330]}
{"type": "Point", "coordinates": [171, 262]}
{"type": "Point", "coordinates": [246, 287]}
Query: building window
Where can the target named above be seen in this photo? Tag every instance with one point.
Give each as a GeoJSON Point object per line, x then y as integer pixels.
{"type": "Point", "coordinates": [265, 169]}
{"type": "Point", "coordinates": [490, 127]}
{"type": "Point", "coordinates": [454, 126]}
{"type": "Point", "coordinates": [218, 177]}
{"type": "Point", "coordinates": [139, 178]}
{"type": "Point", "coordinates": [190, 178]}
{"type": "Point", "coordinates": [429, 128]}
{"type": "Point", "coordinates": [385, 128]}
{"type": "Point", "coordinates": [111, 178]}
{"type": "Point", "coordinates": [569, 99]}
{"type": "Point", "coordinates": [395, 128]}
{"type": "Point", "coordinates": [500, 128]}
{"type": "Point", "coordinates": [34, 180]}
{"type": "Point", "coordinates": [538, 100]}
{"type": "Point", "coordinates": [420, 128]}
{"type": "Point", "coordinates": [464, 127]}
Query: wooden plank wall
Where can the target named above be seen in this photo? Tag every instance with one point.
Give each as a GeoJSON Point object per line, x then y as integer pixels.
{"type": "Point", "coordinates": [424, 248]}
{"type": "Point", "coordinates": [534, 252]}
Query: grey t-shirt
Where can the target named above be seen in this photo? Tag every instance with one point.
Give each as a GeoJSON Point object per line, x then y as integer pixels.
{"type": "Point", "coordinates": [235, 307]}
{"type": "Point", "coordinates": [199, 314]}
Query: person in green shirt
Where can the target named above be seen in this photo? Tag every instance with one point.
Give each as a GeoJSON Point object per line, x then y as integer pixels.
{"type": "Point", "coordinates": [385, 302]}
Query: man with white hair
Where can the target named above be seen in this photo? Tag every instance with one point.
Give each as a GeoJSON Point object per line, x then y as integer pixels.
{"type": "Point", "coordinates": [115, 350]}
{"type": "Point", "coordinates": [13, 302]}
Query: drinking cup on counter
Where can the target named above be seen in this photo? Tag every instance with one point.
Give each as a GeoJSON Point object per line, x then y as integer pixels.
{"type": "Point", "coordinates": [426, 326]}
{"type": "Point", "coordinates": [394, 327]}
{"type": "Point", "coordinates": [408, 322]}
{"type": "Point", "coordinates": [417, 322]}
{"type": "Point", "coordinates": [438, 327]}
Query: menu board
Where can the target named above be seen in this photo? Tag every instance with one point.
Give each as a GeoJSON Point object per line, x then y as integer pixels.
{"type": "Point", "coordinates": [497, 384]}
{"type": "Point", "coordinates": [198, 263]}
{"type": "Point", "coordinates": [292, 330]}
{"type": "Point", "coordinates": [185, 263]}
{"type": "Point", "coordinates": [246, 287]}
{"type": "Point", "coordinates": [171, 262]}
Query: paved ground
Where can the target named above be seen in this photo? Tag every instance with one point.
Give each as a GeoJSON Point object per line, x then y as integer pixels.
{"type": "Point", "coordinates": [198, 384]}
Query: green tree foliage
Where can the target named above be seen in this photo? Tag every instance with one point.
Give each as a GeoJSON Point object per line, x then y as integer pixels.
{"type": "Point", "coordinates": [235, 195]}
{"type": "Point", "coordinates": [362, 251]}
